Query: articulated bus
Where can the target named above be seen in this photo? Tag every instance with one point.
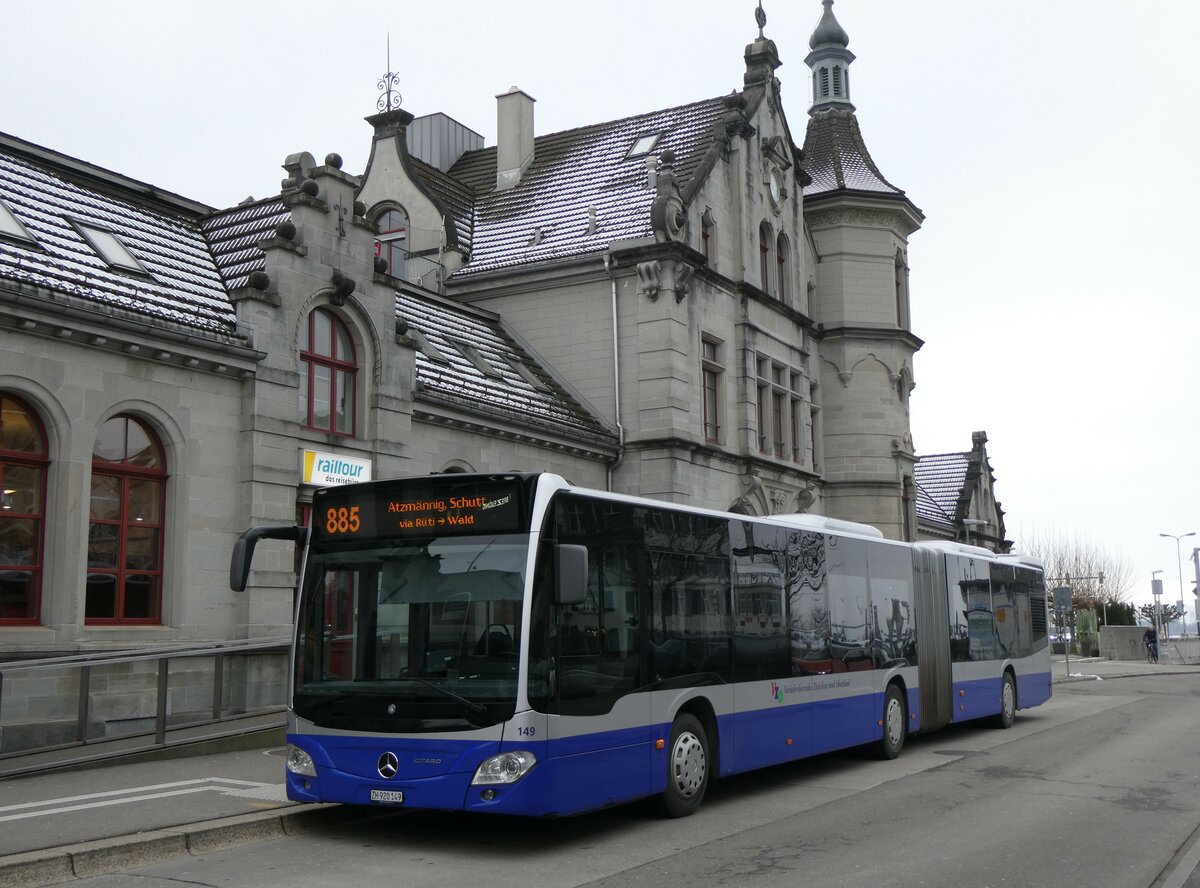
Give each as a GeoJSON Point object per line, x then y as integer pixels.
{"type": "Point", "coordinates": [514, 644]}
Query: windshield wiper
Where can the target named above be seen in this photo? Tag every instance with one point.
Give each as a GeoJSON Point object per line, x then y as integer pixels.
{"type": "Point", "coordinates": [471, 705]}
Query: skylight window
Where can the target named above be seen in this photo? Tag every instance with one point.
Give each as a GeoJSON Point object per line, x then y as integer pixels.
{"type": "Point", "coordinates": [427, 348]}
{"type": "Point", "coordinates": [110, 248]}
{"type": "Point", "coordinates": [10, 225]}
{"type": "Point", "coordinates": [526, 374]}
{"type": "Point", "coordinates": [644, 145]}
{"type": "Point", "coordinates": [479, 361]}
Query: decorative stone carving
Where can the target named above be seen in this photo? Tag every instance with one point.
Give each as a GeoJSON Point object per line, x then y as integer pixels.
{"type": "Point", "coordinates": [683, 280]}
{"type": "Point", "coordinates": [648, 278]}
{"type": "Point", "coordinates": [667, 216]}
{"type": "Point", "coordinates": [848, 216]}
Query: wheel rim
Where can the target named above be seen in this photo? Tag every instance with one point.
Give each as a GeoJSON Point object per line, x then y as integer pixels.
{"type": "Point", "coordinates": [687, 764]}
{"type": "Point", "coordinates": [895, 721]}
{"type": "Point", "coordinates": [1009, 702]}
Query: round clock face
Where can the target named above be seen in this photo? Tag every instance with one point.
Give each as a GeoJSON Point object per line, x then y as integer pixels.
{"type": "Point", "coordinates": [776, 185]}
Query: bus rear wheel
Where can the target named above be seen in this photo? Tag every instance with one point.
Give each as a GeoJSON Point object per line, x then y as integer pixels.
{"type": "Point", "coordinates": [1008, 702]}
{"type": "Point", "coordinates": [687, 767]}
{"type": "Point", "coordinates": [894, 723]}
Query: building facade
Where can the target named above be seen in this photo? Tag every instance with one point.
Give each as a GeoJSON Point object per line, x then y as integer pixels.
{"type": "Point", "coordinates": [688, 304]}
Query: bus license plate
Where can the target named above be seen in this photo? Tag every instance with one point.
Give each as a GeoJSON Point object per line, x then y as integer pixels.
{"type": "Point", "coordinates": [391, 796]}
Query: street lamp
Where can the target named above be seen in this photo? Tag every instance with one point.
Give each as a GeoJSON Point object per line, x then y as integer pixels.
{"type": "Point", "coordinates": [1156, 591]}
{"type": "Point", "coordinates": [1179, 564]}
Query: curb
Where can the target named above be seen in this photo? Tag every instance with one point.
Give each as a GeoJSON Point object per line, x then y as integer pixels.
{"type": "Point", "coordinates": [30, 869]}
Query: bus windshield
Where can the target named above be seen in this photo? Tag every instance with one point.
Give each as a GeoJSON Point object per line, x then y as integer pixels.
{"type": "Point", "coordinates": [413, 635]}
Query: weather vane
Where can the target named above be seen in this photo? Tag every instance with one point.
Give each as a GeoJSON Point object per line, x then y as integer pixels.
{"type": "Point", "coordinates": [390, 99]}
{"type": "Point", "coordinates": [760, 16]}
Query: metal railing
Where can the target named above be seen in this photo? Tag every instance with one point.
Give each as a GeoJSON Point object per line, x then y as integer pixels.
{"type": "Point", "coordinates": [129, 702]}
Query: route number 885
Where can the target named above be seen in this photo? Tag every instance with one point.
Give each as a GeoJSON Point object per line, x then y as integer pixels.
{"type": "Point", "coordinates": [342, 520]}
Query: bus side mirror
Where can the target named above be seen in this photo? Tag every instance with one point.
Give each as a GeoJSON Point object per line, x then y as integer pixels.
{"type": "Point", "coordinates": [570, 574]}
{"type": "Point", "coordinates": [243, 550]}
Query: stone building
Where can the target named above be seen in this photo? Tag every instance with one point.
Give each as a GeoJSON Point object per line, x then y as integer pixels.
{"type": "Point", "coordinates": [956, 498]}
{"type": "Point", "coordinates": [684, 304]}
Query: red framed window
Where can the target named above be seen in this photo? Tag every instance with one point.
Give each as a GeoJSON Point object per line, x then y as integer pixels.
{"type": "Point", "coordinates": [23, 462]}
{"type": "Point", "coordinates": [391, 241]}
{"type": "Point", "coordinates": [328, 371]}
{"type": "Point", "coordinates": [125, 525]}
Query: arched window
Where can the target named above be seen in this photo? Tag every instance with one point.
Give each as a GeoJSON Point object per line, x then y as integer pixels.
{"type": "Point", "coordinates": [22, 511]}
{"type": "Point", "coordinates": [327, 374]}
{"type": "Point", "coordinates": [125, 525]}
{"type": "Point", "coordinates": [391, 240]}
{"type": "Point", "coordinates": [782, 252]}
{"type": "Point", "coordinates": [764, 255]}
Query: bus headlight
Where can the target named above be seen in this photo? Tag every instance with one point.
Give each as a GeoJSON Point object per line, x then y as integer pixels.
{"type": "Point", "coordinates": [509, 767]}
{"type": "Point", "coordinates": [300, 762]}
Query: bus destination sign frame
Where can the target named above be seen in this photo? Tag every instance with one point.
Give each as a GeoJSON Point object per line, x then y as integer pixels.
{"type": "Point", "coordinates": [397, 510]}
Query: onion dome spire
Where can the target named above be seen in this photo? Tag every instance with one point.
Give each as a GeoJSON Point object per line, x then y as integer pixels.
{"type": "Point", "coordinates": [830, 62]}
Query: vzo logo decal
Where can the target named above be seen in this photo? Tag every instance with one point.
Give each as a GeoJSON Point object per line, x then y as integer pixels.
{"type": "Point", "coordinates": [777, 692]}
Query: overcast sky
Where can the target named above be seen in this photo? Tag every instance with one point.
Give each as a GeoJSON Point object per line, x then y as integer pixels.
{"type": "Point", "coordinates": [1052, 147]}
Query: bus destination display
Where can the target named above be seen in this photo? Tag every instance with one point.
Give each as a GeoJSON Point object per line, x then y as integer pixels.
{"type": "Point", "coordinates": [374, 511]}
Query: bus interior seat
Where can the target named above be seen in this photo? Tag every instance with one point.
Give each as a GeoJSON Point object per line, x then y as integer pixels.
{"type": "Point", "coordinates": [494, 643]}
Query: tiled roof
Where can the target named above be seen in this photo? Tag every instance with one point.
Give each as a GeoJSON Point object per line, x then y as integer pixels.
{"type": "Point", "coordinates": [939, 479]}
{"type": "Point", "coordinates": [546, 215]}
{"type": "Point", "coordinates": [182, 285]}
{"type": "Point", "coordinates": [234, 236]}
{"type": "Point", "coordinates": [507, 394]}
{"type": "Point", "coordinates": [836, 158]}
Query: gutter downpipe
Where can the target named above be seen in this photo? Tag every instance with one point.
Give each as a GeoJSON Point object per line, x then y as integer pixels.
{"type": "Point", "coordinates": [620, 458]}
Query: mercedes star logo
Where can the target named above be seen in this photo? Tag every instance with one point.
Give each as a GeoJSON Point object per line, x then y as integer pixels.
{"type": "Point", "coordinates": [388, 765]}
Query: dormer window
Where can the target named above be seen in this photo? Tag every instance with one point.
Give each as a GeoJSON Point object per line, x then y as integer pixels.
{"type": "Point", "coordinates": [644, 145]}
{"type": "Point", "coordinates": [110, 248]}
{"type": "Point", "coordinates": [10, 226]}
{"type": "Point", "coordinates": [391, 241]}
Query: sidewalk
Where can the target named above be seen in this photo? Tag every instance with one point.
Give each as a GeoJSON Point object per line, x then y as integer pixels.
{"type": "Point", "coordinates": [1101, 668]}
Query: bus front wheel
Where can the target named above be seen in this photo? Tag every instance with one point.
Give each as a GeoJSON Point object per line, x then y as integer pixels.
{"type": "Point", "coordinates": [894, 727]}
{"type": "Point", "coordinates": [687, 767]}
{"type": "Point", "coordinates": [1008, 702]}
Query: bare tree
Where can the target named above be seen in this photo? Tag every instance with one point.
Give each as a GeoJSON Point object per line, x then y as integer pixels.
{"type": "Point", "coordinates": [1170, 613]}
{"type": "Point", "coordinates": [1076, 561]}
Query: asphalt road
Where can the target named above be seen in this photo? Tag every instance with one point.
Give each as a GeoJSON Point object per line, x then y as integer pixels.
{"type": "Point", "coordinates": [1096, 789]}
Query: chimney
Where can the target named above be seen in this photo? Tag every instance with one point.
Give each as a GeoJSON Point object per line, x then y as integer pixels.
{"type": "Point", "coordinates": [514, 137]}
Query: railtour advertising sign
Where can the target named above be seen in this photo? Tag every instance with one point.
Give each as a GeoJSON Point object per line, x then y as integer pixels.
{"type": "Point", "coordinates": [329, 469]}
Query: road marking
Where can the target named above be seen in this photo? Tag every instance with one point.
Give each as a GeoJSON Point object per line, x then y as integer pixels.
{"type": "Point", "coordinates": [69, 804]}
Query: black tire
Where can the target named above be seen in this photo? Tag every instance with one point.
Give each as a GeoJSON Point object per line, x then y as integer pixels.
{"type": "Point", "coordinates": [895, 723]}
{"type": "Point", "coordinates": [687, 767]}
{"type": "Point", "coordinates": [1008, 703]}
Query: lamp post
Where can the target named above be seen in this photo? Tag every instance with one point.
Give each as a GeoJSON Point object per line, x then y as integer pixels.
{"type": "Point", "coordinates": [1179, 563]}
{"type": "Point", "coordinates": [1156, 591]}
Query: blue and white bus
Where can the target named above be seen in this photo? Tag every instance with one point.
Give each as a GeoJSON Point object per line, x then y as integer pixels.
{"type": "Point", "coordinates": [514, 644]}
